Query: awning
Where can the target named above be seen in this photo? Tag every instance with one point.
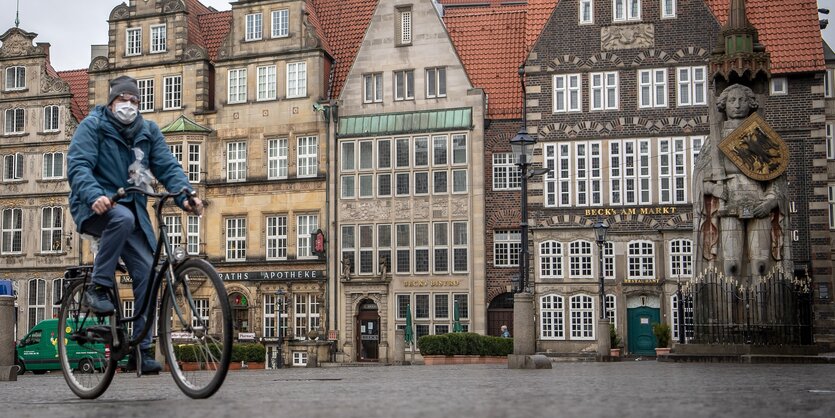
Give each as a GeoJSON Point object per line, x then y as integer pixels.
{"type": "Point", "coordinates": [405, 123]}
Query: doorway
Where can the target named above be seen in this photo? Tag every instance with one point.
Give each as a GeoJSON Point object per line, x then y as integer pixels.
{"type": "Point", "coordinates": [240, 312]}
{"type": "Point", "coordinates": [368, 331]}
{"type": "Point", "coordinates": [639, 325]}
{"type": "Point", "coordinates": [500, 312]}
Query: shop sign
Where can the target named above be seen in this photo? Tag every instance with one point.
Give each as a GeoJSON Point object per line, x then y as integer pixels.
{"type": "Point", "coordinates": [246, 336]}
{"type": "Point", "coordinates": [431, 283]}
{"type": "Point", "coordinates": [658, 210]}
{"type": "Point", "coordinates": [269, 339]}
{"type": "Point", "coordinates": [287, 275]}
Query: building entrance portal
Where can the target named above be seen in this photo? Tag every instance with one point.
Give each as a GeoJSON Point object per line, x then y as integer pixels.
{"type": "Point", "coordinates": [368, 331]}
{"type": "Point", "coordinates": [500, 312]}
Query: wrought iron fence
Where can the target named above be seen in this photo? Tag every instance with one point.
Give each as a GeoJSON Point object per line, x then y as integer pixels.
{"type": "Point", "coordinates": [775, 309]}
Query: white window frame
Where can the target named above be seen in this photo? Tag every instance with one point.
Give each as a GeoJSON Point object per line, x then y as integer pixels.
{"type": "Point", "coordinates": [403, 242]}
{"type": "Point", "coordinates": [127, 311]}
{"type": "Point", "coordinates": [668, 9]}
{"type": "Point", "coordinates": [174, 223]}
{"type": "Point", "coordinates": [280, 23]}
{"type": "Point", "coordinates": [201, 311]}
{"type": "Point", "coordinates": [686, 80]}
{"type": "Point", "coordinates": [11, 231]}
{"type": "Point", "coordinates": [831, 206]}
{"type": "Point", "coordinates": [372, 88]}
{"type": "Point", "coordinates": [558, 182]}
{"type": "Point", "coordinates": [296, 79]}
{"type": "Point", "coordinates": [506, 175]}
{"type": "Point", "coordinates": [616, 158]}
{"type": "Point", "coordinates": [254, 27]}
{"type": "Point", "coordinates": [404, 85]}
{"type": "Point", "coordinates": [193, 163]}
{"type": "Point", "coordinates": [36, 301]}
{"type": "Point", "coordinates": [146, 94]}
{"type": "Point", "coordinates": [830, 141]}
{"type": "Point", "coordinates": [236, 239]}
{"type": "Point", "coordinates": [552, 317]}
{"type": "Point", "coordinates": [307, 160]}
{"type": "Point", "coordinates": [586, 5]}
{"type": "Point", "coordinates": [828, 81]}
{"type": "Point", "coordinates": [193, 234]}
{"type": "Point", "coordinates": [306, 224]}
{"type": "Point", "coordinates": [631, 10]}
{"type": "Point", "coordinates": [672, 170]}
{"type": "Point", "coordinates": [580, 256]}
{"type": "Point", "coordinates": [173, 92]}
{"type": "Point", "coordinates": [236, 92]}
{"type": "Point", "coordinates": [14, 124]}
{"type": "Point", "coordinates": [611, 302]}
{"type": "Point", "coordinates": [133, 42]}
{"type": "Point", "coordinates": [52, 234]}
{"type": "Point", "coordinates": [13, 167]}
{"type": "Point", "coordinates": [405, 26]}
{"type": "Point", "coordinates": [276, 237]}
{"type": "Point", "coordinates": [366, 261]}
{"type": "Point", "coordinates": [640, 258]}
{"type": "Point", "coordinates": [424, 262]}
{"type": "Point", "coordinates": [159, 39]}
{"type": "Point", "coordinates": [53, 165]}
{"type": "Point", "coordinates": [652, 92]}
{"type": "Point", "coordinates": [51, 118]}
{"type": "Point", "coordinates": [688, 317]}
{"type": "Point", "coordinates": [606, 85]}
{"type": "Point", "coordinates": [508, 244]}
{"type": "Point", "coordinates": [436, 82]}
{"type": "Point", "coordinates": [681, 258]}
{"type": "Point", "coordinates": [582, 317]}
{"type": "Point", "coordinates": [269, 319]}
{"type": "Point", "coordinates": [779, 86]}
{"type": "Point", "coordinates": [15, 78]}
{"type": "Point", "coordinates": [567, 95]}
{"type": "Point", "coordinates": [277, 158]}
{"type": "Point", "coordinates": [236, 156]}
{"type": "Point", "coordinates": [267, 85]}
{"type": "Point", "coordinates": [460, 247]}
{"type": "Point", "coordinates": [551, 261]}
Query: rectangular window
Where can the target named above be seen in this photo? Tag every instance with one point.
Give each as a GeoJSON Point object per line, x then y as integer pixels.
{"type": "Point", "coordinates": [12, 231]}
{"type": "Point", "coordinates": [254, 26]}
{"type": "Point", "coordinates": [349, 156]}
{"type": "Point", "coordinates": [127, 311]}
{"type": "Point", "coordinates": [174, 227]}
{"type": "Point", "coordinates": [441, 306]}
{"type": "Point", "coordinates": [402, 153]}
{"type": "Point", "coordinates": [831, 209]}
{"type": "Point", "coordinates": [559, 181]}
{"type": "Point", "coordinates": [506, 175]}
{"type": "Point", "coordinates": [552, 313]}
{"type": "Point", "coordinates": [37, 302]}
{"type": "Point", "coordinates": [652, 88]}
{"type": "Point", "coordinates": [177, 152]}
{"type": "Point", "coordinates": [440, 243]}
{"type": "Point", "coordinates": [366, 156]}
{"type": "Point", "coordinates": [173, 89]}
{"type": "Point", "coordinates": [692, 86]}
{"type": "Point", "coordinates": [383, 185]}
{"type": "Point", "coordinates": [404, 26]}
{"type": "Point", "coordinates": [281, 23]}
{"type": "Point", "coordinates": [193, 163]}
{"type": "Point", "coordinates": [436, 82]}
{"type": "Point", "coordinates": [349, 248]}
{"type": "Point", "coordinates": [460, 251]}
{"type": "Point", "coordinates": [681, 258]}
{"type": "Point", "coordinates": [306, 314]}
{"type": "Point", "coordinates": [668, 8]}
{"type": "Point", "coordinates": [830, 141]}
{"type": "Point", "coordinates": [366, 185]}
{"type": "Point", "coordinates": [13, 167]}
{"type": "Point", "coordinates": [193, 234]}
{"type": "Point", "coordinates": [567, 93]}
{"type": "Point", "coordinates": [348, 187]}
{"type": "Point", "coordinates": [296, 79]}
{"type": "Point", "coordinates": [53, 165]}
{"type": "Point", "coordinates": [15, 120]}
{"type": "Point", "coordinates": [384, 153]}
{"type": "Point", "coordinates": [404, 253]}
{"type": "Point", "coordinates": [624, 10]}
{"type": "Point", "coordinates": [50, 118]}
{"type": "Point", "coordinates": [158, 38]}
{"type": "Point", "coordinates": [366, 241]}
{"type": "Point", "coordinates": [422, 248]}
{"type": "Point", "coordinates": [828, 82]}
{"type": "Point", "coordinates": [237, 85]}
{"type": "Point", "coordinates": [439, 150]}
{"type": "Point", "coordinates": [236, 161]}
{"type": "Point", "coordinates": [506, 248]}
{"type": "Point", "coordinates": [372, 88]}
{"type": "Point", "coordinates": [421, 306]}
{"type": "Point", "coordinates": [277, 159]}
{"type": "Point", "coordinates": [305, 225]}
{"type": "Point", "coordinates": [146, 94]}
{"type": "Point", "coordinates": [266, 83]}
{"type": "Point", "coordinates": [586, 11]}
{"type": "Point", "coordinates": [52, 229]}
{"type": "Point", "coordinates": [276, 237]}
{"type": "Point", "coordinates": [404, 85]}
{"type": "Point", "coordinates": [308, 156]}
{"type": "Point", "coordinates": [459, 181]}
{"type": "Point", "coordinates": [603, 91]}
{"type": "Point", "coordinates": [16, 78]}
{"type": "Point", "coordinates": [236, 239]}
{"type": "Point", "coordinates": [440, 182]}
{"type": "Point", "coordinates": [779, 86]}
{"type": "Point", "coordinates": [384, 246]}
{"type": "Point", "coordinates": [269, 316]}
{"type": "Point", "coordinates": [421, 151]}
{"type": "Point", "coordinates": [582, 317]}
{"type": "Point", "coordinates": [402, 184]}
{"type": "Point", "coordinates": [133, 41]}
{"type": "Point", "coordinates": [459, 149]}
{"type": "Point", "coordinates": [421, 183]}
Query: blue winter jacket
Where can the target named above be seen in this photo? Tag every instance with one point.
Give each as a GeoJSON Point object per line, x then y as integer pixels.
{"type": "Point", "coordinates": [97, 165]}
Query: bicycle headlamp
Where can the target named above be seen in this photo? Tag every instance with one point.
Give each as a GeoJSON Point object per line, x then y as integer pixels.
{"type": "Point", "coordinates": [179, 254]}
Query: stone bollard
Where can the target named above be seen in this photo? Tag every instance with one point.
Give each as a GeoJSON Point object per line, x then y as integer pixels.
{"type": "Point", "coordinates": [524, 337]}
{"type": "Point", "coordinates": [603, 342]}
{"type": "Point", "coordinates": [8, 370]}
{"type": "Point", "coordinates": [399, 347]}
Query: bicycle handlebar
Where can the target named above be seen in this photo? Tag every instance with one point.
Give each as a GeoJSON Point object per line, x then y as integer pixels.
{"type": "Point", "coordinates": [190, 195]}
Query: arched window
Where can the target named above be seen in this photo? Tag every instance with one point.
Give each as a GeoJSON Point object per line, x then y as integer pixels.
{"type": "Point", "coordinates": [641, 260]}
{"type": "Point", "coordinates": [681, 258]}
{"type": "Point", "coordinates": [582, 317]}
{"type": "Point", "coordinates": [579, 259]}
{"type": "Point", "coordinates": [550, 259]}
{"type": "Point", "coordinates": [552, 317]}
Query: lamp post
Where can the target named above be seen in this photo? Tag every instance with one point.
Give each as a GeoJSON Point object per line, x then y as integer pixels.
{"type": "Point", "coordinates": [279, 305]}
{"type": "Point", "coordinates": [600, 228]}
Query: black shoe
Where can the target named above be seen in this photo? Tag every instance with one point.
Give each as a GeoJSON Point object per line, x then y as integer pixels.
{"type": "Point", "coordinates": [149, 365]}
{"type": "Point", "coordinates": [98, 300]}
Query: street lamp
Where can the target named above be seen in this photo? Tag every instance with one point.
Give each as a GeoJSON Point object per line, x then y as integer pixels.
{"type": "Point", "coordinates": [522, 145]}
{"type": "Point", "coordinates": [600, 228]}
{"type": "Point", "coordinates": [279, 304]}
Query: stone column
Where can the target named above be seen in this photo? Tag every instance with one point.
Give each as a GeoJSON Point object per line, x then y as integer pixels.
{"type": "Point", "coordinates": [524, 334]}
{"type": "Point", "coordinates": [399, 347]}
{"type": "Point", "coordinates": [603, 342]}
{"type": "Point", "coordinates": [8, 372]}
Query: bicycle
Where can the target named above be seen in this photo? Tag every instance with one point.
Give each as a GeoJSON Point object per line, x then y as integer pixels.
{"type": "Point", "coordinates": [104, 340]}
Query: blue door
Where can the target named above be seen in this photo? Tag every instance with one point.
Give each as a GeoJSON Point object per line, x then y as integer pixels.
{"type": "Point", "coordinates": [639, 326]}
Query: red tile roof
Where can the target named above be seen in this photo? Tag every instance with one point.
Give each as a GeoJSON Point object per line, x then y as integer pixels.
{"type": "Point", "coordinates": [789, 29]}
{"type": "Point", "coordinates": [344, 23]}
{"type": "Point", "coordinates": [313, 18]}
{"type": "Point", "coordinates": [79, 87]}
{"type": "Point", "coordinates": [492, 47]}
{"type": "Point", "coordinates": [215, 26]}
{"type": "Point", "coordinates": [539, 11]}
{"type": "Point", "coordinates": [194, 9]}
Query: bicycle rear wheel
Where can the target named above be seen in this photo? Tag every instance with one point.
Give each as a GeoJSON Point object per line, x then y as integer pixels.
{"type": "Point", "coordinates": [195, 314]}
{"type": "Point", "coordinates": [83, 348]}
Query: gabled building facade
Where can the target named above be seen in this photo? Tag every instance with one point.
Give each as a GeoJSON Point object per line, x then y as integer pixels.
{"type": "Point", "coordinates": [409, 179]}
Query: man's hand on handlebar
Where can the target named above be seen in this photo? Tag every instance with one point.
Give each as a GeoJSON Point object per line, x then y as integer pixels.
{"type": "Point", "coordinates": [194, 205]}
{"type": "Point", "coordinates": [102, 205]}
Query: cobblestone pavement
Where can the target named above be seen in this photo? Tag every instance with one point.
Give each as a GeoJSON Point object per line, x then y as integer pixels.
{"type": "Point", "coordinates": [624, 389]}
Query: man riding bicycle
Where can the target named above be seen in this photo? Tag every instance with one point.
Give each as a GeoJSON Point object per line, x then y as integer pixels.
{"type": "Point", "coordinates": [115, 147]}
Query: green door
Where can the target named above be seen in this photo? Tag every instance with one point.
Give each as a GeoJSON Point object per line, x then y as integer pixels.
{"type": "Point", "coordinates": [639, 327]}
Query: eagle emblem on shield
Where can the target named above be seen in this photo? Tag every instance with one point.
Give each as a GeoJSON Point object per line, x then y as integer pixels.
{"type": "Point", "coordinates": [756, 149]}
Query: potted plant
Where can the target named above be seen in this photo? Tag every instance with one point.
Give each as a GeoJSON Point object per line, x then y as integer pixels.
{"type": "Point", "coordinates": [663, 333]}
{"type": "Point", "coordinates": [614, 341]}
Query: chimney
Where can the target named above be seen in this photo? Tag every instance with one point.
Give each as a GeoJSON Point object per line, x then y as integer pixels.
{"type": "Point", "coordinates": [44, 46]}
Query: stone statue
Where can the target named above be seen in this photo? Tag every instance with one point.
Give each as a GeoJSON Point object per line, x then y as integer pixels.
{"type": "Point", "coordinates": [384, 261]}
{"type": "Point", "coordinates": [739, 220]}
{"type": "Point", "coordinates": [346, 267]}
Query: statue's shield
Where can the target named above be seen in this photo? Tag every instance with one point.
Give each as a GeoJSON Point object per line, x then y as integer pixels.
{"type": "Point", "coordinates": [758, 151]}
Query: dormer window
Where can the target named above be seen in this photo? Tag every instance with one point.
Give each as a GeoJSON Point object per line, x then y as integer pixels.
{"type": "Point", "coordinates": [626, 10]}
{"type": "Point", "coordinates": [254, 26]}
{"type": "Point", "coordinates": [15, 78]}
{"type": "Point", "coordinates": [133, 41]}
{"type": "Point", "coordinates": [404, 25]}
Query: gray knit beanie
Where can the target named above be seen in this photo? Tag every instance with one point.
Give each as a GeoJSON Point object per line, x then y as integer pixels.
{"type": "Point", "coordinates": [122, 84]}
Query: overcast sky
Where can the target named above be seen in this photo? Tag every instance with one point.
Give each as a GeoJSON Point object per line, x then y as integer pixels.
{"type": "Point", "coordinates": [71, 26]}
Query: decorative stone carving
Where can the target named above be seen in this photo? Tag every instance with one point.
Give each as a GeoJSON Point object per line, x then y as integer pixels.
{"type": "Point", "coordinates": [172, 6]}
{"type": "Point", "coordinates": [17, 43]}
{"type": "Point", "coordinates": [403, 209]}
{"type": "Point", "coordinates": [641, 35]}
{"type": "Point", "coordinates": [421, 209]}
{"type": "Point", "coordinates": [120, 12]}
{"type": "Point", "coordinates": [99, 64]}
{"type": "Point", "coordinates": [459, 206]}
{"type": "Point", "coordinates": [51, 84]}
{"type": "Point", "coordinates": [311, 38]}
{"type": "Point", "coordinates": [194, 52]}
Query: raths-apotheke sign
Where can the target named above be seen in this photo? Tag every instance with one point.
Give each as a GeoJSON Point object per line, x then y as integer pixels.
{"type": "Point", "coordinates": [273, 275]}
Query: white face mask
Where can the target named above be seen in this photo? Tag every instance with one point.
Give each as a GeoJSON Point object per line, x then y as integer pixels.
{"type": "Point", "coordinates": [126, 112]}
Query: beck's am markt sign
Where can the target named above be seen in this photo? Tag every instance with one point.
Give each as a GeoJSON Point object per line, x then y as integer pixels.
{"type": "Point", "coordinates": [284, 275]}
{"type": "Point", "coordinates": [651, 210]}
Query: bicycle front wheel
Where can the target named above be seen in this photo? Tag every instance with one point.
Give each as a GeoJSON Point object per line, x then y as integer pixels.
{"type": "Point", "coordinates": [83, 349]}
{"type": "Point", "coordinates": [196, 328]}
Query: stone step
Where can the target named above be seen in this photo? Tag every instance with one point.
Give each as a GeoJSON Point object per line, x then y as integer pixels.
{"type": "Point", "coordinates": [570, 357]}
{"type": "Point", "coordinates": [353, 364]}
